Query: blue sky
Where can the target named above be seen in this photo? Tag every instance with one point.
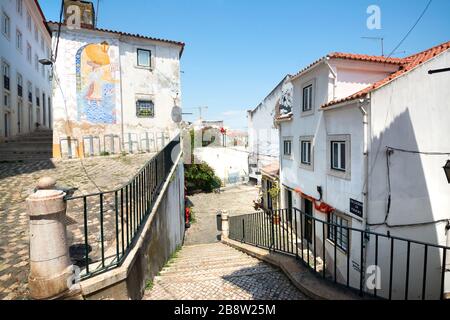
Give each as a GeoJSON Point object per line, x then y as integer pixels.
{"type": "Point", "coordinates": [237, 51]}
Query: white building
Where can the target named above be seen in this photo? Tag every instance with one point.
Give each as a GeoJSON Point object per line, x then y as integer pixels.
{"type": "Point", "coordinates": [263, 141]}
{"type": "Point", "coordinates": [347, 110]}
{"type": "Point", "coordinates": [113, 90]}
{"type": "Point", "coordinates": [25, 85]}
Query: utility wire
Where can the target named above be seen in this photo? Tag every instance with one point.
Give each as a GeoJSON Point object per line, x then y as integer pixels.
{"type": "Point", "coordinates": [420, 152]}
{"type": "Point", "coordinates": [59, 30]}
{"type": "Point", "coordinates": [412, 28]}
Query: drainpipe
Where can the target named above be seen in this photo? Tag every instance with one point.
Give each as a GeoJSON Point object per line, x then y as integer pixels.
{"type": "Point", "coordinates": [121, 98]}
{"type": "Point", "coordinates": [363, 107]}
{"type": "Point", "coordinates": [334, 77]}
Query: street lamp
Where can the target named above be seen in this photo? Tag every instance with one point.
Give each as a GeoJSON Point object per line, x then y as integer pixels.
{"type": "Point", "coordinates": [447, 170]}
{"type": "Point", "coordinates": [46, 62]}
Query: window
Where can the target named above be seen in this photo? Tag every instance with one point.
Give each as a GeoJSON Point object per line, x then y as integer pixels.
{"type": "Point", "coordinates": [36, 33]}
{"type": "Point", "coordinates": [42, 43]}
{"type": "Point", "coordinates": [339, 158]}
{"type": "Point", "coordinates": [28, 21]}
{"type": "Point", "coordinates": [6, 25]}
{"type": "Point", "coordinates": [19, 85]}
{"type": "Point", "coordinates": [305, 152]}
{"type": "Point", "coordinates": [338, 155]}
{"type": "Point", "coordinates": [36, 62]}
{"type": "Point", "coordinates": [28, 52]}
{"type": "Point", "coordinates": [143, 58]}
{"type": "Point", "coordinates": [38, 103]}
{"type": "Point", "coordinates": [19, 40]}
{"type": "Point", "coordinates": [145, 109]}
{"type": "Point", "coordinates": [19, 5]}
{"type": "Point", "coordinates": [338, 231]}
{"type": "Point", "coordinates": [287, 147]}
{"type": "Point", "coordinates": [30, 92]}
{"type": "Point", "coordinates": [307, 98]}
{"type": "Point", "coordinates": [5, 73]}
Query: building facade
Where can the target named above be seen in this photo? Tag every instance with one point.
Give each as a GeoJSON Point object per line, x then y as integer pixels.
{"type": "Point", "coordinates": [263, 140]}
{"type": "Point", "coordinates": [336, 167]}
{"type": "Point", "coordinates": [114, 91]}
{"type": "Point", "coordinates": [26, 83]}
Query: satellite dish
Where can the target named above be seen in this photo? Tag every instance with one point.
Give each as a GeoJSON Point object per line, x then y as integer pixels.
{"type": "Point", "coordinates": [176, 114]}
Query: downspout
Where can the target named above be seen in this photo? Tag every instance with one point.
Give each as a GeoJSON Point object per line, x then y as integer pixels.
{"type": "Point", "coordinates": [334, 76]}
{"type": "Point", "coordinates": [364, 104]}
{"type": "Point", "coordinates": [122, 130]}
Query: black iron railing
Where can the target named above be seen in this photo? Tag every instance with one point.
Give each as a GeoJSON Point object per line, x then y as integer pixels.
{"type": "Point", "coordinates": [112, 220]}
{"type": "Point", "coordinates": [370, 263]}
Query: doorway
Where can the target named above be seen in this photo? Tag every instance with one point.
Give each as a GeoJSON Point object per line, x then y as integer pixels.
{"type": "Point", "coordinates": [6, 125]}
{"type": "Point", "coordinates": [289, 204]}
{"type": "Point", "coordinates": [308, 207]}
{"type": "Point", "coordinates": [30, 118]}
{"type": "Point", "coordinates": [269, 198]}
{"type": "Point", "coordinates": [19, 116]}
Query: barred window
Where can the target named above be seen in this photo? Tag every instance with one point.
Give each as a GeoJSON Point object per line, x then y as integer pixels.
{"type": "Point", "coordinates": [338, 234]}
{"type": "Point", "coordinates": [145, 109]}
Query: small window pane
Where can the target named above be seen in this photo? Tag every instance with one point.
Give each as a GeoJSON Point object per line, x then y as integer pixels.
{"type": "Point", "coordinates": [145, 109]}
{"type": "Point", "coordinates": [143, 58]}
{"type": "Point", "coordinates": [342, 166]}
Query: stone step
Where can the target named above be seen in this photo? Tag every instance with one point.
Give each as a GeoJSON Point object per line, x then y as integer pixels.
{"type": "Point", "coordinates": [196, 260]}
{"type": "Point", "coordinates": [210, 266]}
{"type": "Point", "coordinates": [212, 274]}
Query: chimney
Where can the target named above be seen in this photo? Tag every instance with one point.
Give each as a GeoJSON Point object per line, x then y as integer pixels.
{"type": "Point", "coordinates": [86, 10]}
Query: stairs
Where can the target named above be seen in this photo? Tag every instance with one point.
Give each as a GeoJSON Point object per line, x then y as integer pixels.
{"type": "Point", "coordinates": [33, 146]}
{"type": "Point", "coordinates": [219, 272]}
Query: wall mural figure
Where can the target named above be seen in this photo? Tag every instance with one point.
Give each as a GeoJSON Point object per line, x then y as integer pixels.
{"type": "Point", "coordinates": [96, 94]}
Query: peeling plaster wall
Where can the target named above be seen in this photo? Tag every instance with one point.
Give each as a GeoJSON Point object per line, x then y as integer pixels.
{"type": "Point", "coordinates": [160, 83]}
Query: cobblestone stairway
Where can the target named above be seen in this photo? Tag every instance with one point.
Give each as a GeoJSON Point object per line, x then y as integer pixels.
{"type": "Point", "coordinates": [33, 146]}
{"type": "Point", "coordinates": [218, 272]}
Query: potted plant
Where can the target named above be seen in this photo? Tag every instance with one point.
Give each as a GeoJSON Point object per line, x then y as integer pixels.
{"type": "Point", "coordinates": [273, 193]}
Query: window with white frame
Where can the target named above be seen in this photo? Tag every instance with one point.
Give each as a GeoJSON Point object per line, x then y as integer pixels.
{"type": "Point", "coordinates": [338, 155]}
{"type": "Point", "coordinates": [307, 98]}
{"type": "Point", "coordinates": [6, 25]}
{"type": "Point", "coordinates": [6, 76]}
{"type": "Point", "coordinates": [29, 54]}
{"type": "Point", "coordinates": [338, 231]}
{"type": "Point", "coordinates": [42, 42]}
{"type": "Point", "coordinates": [19, 6]}
{"type": "Point", "coordinates": [306, 152]}
{"type": "Point", "coordinates": [144, 58]}
{"type": "Point", "coordinates": [36, 33]}
{"type": "Point", "coordinates": [19, 39]}
{"type": "Point", "coordinates": [287, 147]}
{"type": "Point", "coordinates": [19, 85]}
{"type": "Point", "coordinates": [29, 21]}
{"type": "Point", "coordinates": [38, 101]}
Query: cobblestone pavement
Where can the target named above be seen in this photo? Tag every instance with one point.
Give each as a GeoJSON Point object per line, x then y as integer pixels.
{"type": "Point", "coordinates": [17, 181]}
{"type": "Point", "coordinates": [236, 200]}
{"type": "Point", "coordinates": [218, 272]}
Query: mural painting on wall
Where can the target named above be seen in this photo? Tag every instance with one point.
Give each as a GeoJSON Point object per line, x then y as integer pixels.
{"type": "Point", "coordinates": [96, 83]}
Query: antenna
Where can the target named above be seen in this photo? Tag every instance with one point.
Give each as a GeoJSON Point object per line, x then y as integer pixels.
{"type": "Point", "coordinates": [377, 39]}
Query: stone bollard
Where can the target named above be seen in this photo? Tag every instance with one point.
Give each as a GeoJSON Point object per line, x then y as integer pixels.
{"type": "Point", "coordinates": [225, 225]}
{"type": "Point", "coordinates": [50, 266]}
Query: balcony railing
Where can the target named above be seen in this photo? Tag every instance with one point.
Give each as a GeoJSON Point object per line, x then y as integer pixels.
{"type": "Point", "coordinates": [110, 221]}
{"type": "Point", "coordinates": [404, 269]}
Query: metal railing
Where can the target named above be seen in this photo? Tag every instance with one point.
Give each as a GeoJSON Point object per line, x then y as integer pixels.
{"type": "Point", "coordinates": [112, 220]}
{"type": "Point", "coordinates": [402, 268]}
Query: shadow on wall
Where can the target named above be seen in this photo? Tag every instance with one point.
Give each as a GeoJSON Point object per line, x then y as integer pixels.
{"type": "Point", "coordinates": [399, 195]}
{"type": "Point", "coordinates": [11, 169]}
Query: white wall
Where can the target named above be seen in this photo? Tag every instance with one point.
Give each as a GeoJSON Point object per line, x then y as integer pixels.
{"type": "Point", "coordinates": [262, 132]}
{"type": "Point", "coordinates": [412, 113]}
{"type": "Point", "coordinates": [226, 162]}
{"type": "Point", "coordinates": [160, 83]}
{"type": "Point", "coordinates": [18, 63]}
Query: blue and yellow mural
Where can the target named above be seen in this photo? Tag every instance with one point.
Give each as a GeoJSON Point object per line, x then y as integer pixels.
{"type": "Point", "coordinates": [96, 86]}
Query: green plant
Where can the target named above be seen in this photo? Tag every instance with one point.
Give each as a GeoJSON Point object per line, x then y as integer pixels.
{"type": "Point", "coordinates": [104, 153]}
{"type": "Point", "coordinates": [192, 217]}
{"type": "Point", "coordinates": [149, 285]}
{"type": "Point", "coordinates": [201, 177]}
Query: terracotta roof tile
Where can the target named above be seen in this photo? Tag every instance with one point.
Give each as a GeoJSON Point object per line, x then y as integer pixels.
{"type": "Point", "coordinates": [406, 65]}
{"type": "Point", "coordinates": [134, 35]}
{"type": "Point", "coordinates": [272, 169]}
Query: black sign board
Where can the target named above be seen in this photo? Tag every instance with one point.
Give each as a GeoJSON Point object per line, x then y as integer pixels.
{"type": "Point", "coordinates": [356, 208]}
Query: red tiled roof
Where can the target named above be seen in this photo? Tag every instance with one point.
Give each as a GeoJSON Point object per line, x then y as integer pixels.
{"type": "Point", "coordinates": [407, 64]}
{"type": "Point", "coordinates": [352, 56]}
{"type": "Point", "coordinates": [134, 35]}
{"type": "Point", "coordinates": [272, 169]}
